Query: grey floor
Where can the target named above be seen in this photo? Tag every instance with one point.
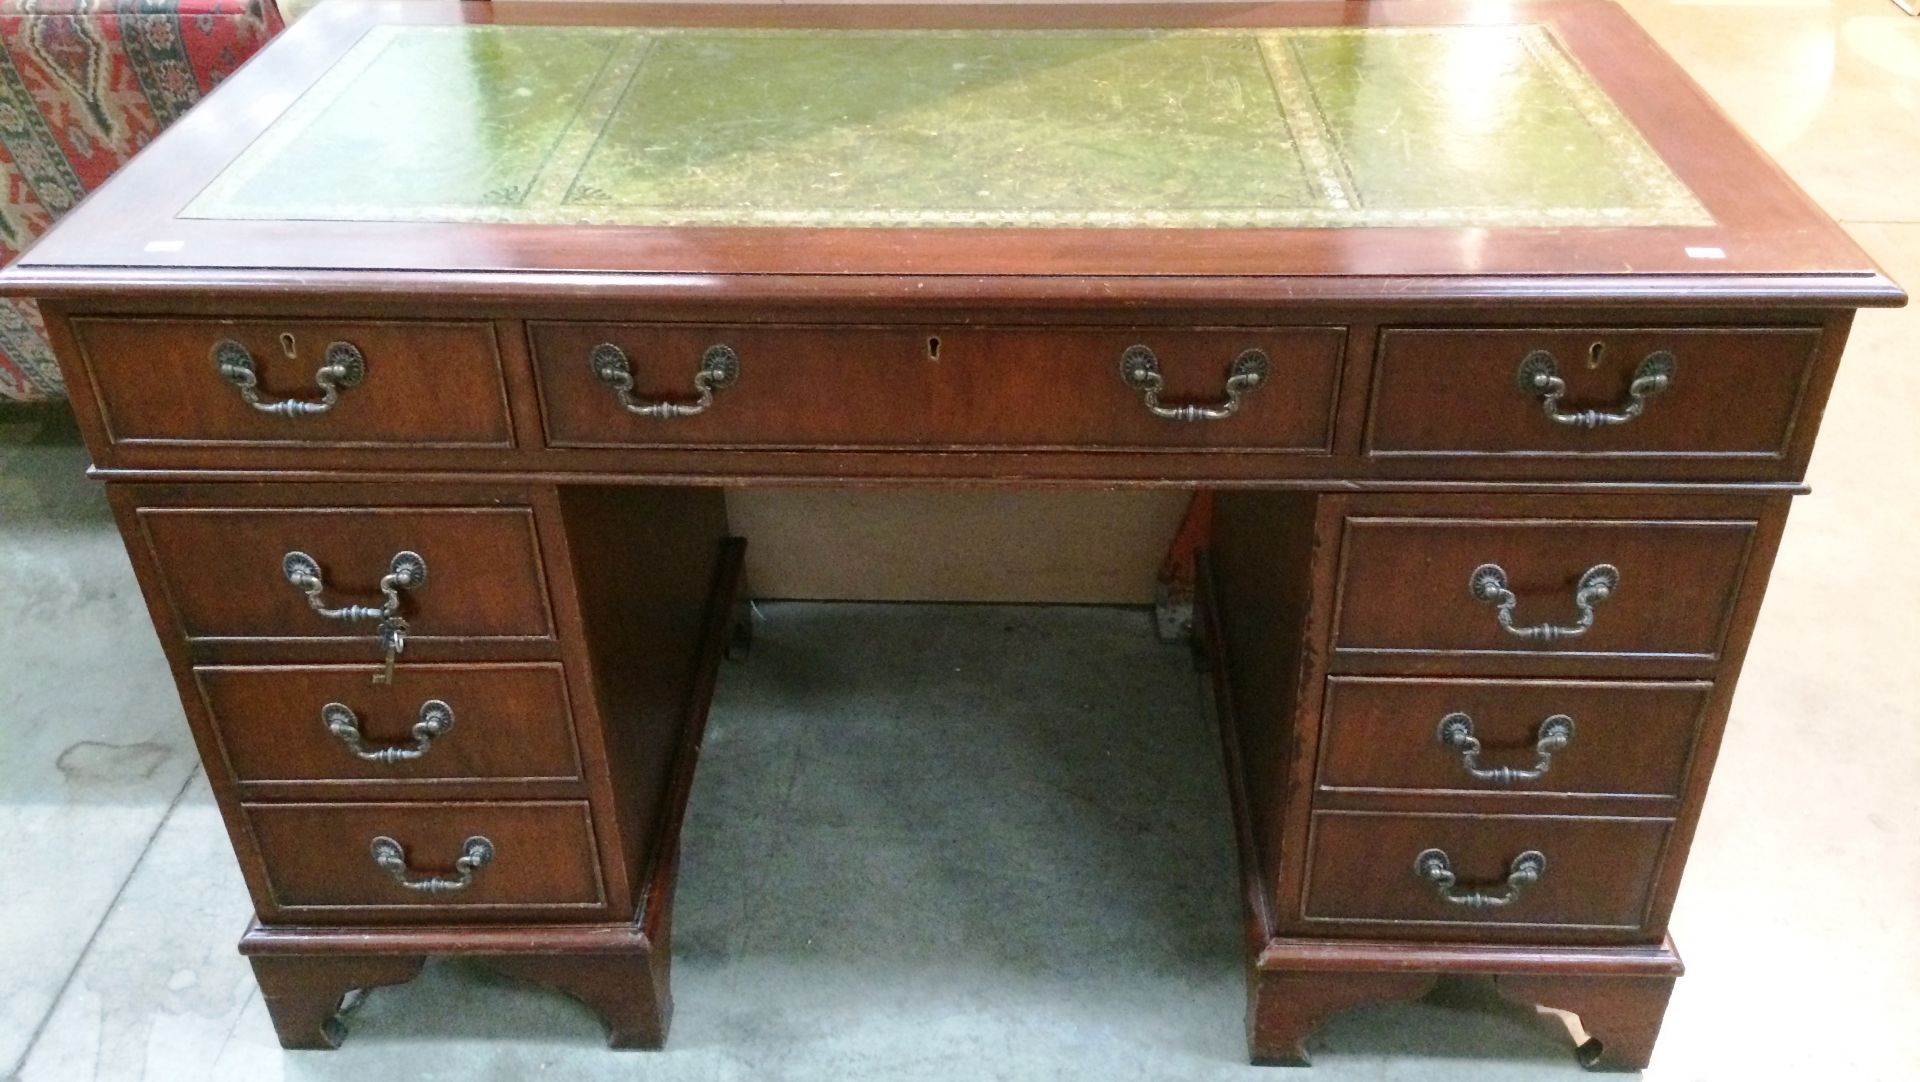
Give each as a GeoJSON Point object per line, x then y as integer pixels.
{"type": "Point", "coordinates": [926, 842]}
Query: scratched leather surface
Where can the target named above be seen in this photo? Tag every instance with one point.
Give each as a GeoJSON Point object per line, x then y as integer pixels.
{"type": "Point", "coordinates": [1304, 127]}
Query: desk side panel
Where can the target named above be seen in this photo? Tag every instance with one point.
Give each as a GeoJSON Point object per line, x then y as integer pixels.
{"type": "Point", "coordinates": [643, 563]}
{"type": "Point", "coordinates": [1265, 555]}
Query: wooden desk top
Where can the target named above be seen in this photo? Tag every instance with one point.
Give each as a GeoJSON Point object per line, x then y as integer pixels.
{"type": "Point", "coordinates": [1379, 150]}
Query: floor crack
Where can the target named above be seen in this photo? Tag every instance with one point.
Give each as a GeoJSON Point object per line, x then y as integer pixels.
{"type": "Point", "coordinates": [53, 1005]}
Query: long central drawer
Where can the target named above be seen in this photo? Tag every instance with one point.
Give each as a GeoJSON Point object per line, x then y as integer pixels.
{"type": "Point", "coordinates": [773, 386]}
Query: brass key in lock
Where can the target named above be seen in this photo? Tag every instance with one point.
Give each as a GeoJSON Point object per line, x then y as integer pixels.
{"type": "Point", "coordinates": [393, 642]}
{"type": "Point", "coordinates": [406, 571]}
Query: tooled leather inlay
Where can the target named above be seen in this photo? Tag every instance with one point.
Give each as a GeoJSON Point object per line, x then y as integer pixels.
{"type": "Point", "coordinates": [1299, 127]}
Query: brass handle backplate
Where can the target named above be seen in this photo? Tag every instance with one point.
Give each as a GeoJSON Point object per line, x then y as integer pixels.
{"type": "Point", "coordinates": [475, 853]}
{"type": "Point", "coordinates": [1140, 370]}
{"type": "Point", "coordinates": [436, 718]}
{"type": "Point", "coordinates": [1554, 734]}
{"type": "Point", "coordinates": [342, 368]}
{"type": "Point", "coordinates": [1539, 377]}
{"type": "Point", "coordinates": [1434, 867]}
{"type": "Point", "coordinates": [719, 369]}
{"type": "Point", "coordinates": [406, 571]}
{"type": "Point", "coordinates": [1488, 584]}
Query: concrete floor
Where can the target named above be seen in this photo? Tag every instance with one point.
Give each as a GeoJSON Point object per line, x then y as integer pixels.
{"type": "Point", "coordinates": [991, 842]}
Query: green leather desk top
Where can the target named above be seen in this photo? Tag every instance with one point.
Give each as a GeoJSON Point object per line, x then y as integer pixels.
{"type": "Point", "coordinates": [1291, 127]}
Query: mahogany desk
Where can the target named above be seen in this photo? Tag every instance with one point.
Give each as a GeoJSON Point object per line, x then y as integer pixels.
{"type": "Point", "coordinates": [417, 359]}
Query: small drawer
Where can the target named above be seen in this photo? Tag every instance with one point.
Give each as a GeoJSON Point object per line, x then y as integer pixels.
{"type": "Point", "coordinates": [1634, 588]}
{"type": "Point", "coordinates": [926, 388]}
{"type": "Point", "coordinates": [1588, 738]}
{"type": "Point", "coordinates": [1726, 391]}
{"type": "Point", "coordinates": [229, 574]}
{"type": "Point", "coordinates": [1477, 870]}
{"type": "Point", "coordinates": [267, 382]}
{"type": "Point", "coordinates": [332, 723]}
{"type": "Point", "coordinates": [346, 861]}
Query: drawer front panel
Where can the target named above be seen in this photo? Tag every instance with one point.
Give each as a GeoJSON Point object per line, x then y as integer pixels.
{"type": "Point", "coordinates": [317, 723]}
{"type": "Point", "coordinates": [930, 387]}
{"type": "Point", "coordinates": [225, 570]}
{"type": "Point", "coordinates": [320, 858]}
{"type": "Point", "coordinates": [1594, 873]}
{"type": "Point", "coordinates": [1731, 391]}
{"type": "Point", "coordinates": [1417, 586]}
{"type": "Point", "coordinates": [1495, 736]}
{"type": "Point", "coordinates": [423, 384]}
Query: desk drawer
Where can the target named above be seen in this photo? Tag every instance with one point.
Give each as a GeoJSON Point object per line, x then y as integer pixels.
{"type": "Point", "coordinates": [227, 570]}
{"type": "Point", "coordinates": [1388, 869]}
{"type": "Point", "coordinates": [1728, 392]}
{"type": "Point", "coordinates": [1528, 586]}
{"type": "Point", "coordinates": [419, 384]}
{"type": "Point", "coordinates": [329, 862]}
{"type": "Point", "coordinates": [930, 387]}
{"type": "Point", "coordinates": [1598, 738]}
{"type": "Point", "coordinates": [326, 723]}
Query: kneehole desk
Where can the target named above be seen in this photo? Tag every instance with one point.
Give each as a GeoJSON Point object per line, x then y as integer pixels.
{"type": "Point", "coordinates": [418, 358]}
